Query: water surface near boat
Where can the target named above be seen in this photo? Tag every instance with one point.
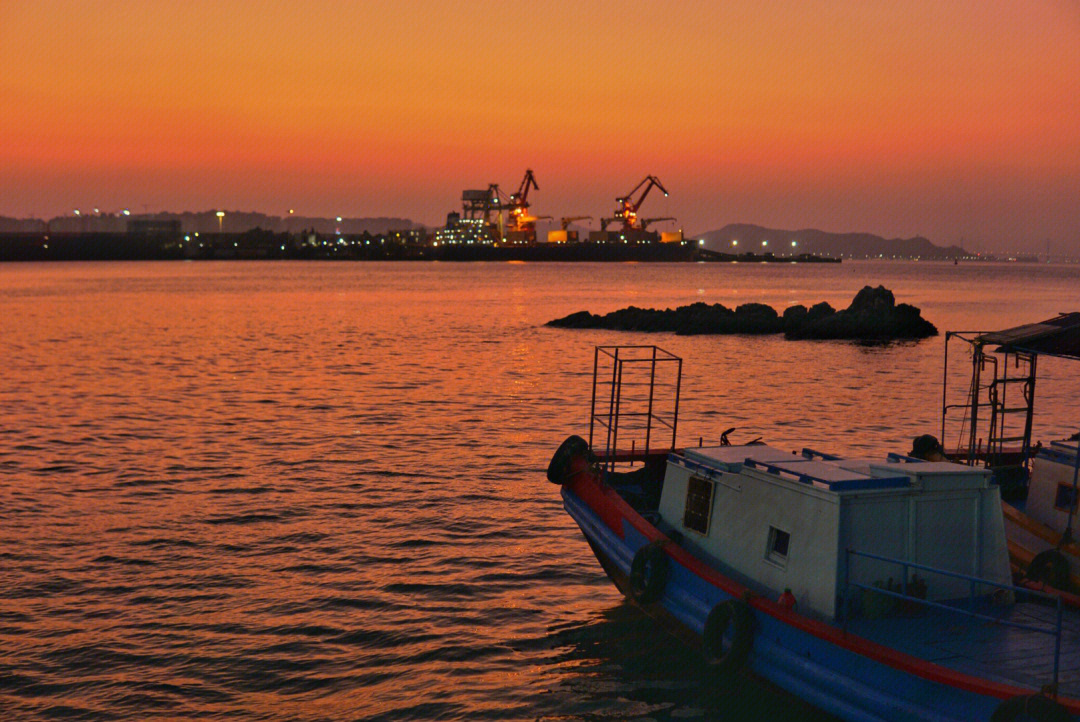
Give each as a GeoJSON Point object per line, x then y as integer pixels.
{"type": "Point", "coordinates": [315, 490]}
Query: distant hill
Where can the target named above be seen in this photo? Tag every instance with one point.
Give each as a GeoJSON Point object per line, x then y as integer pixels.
{"type": "Point", "coordinates": [844, 245]}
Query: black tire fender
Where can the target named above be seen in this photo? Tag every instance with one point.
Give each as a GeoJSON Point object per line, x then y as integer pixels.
{"type": "Point", "coordinates": [1030, 707]}
{"type": "Point", "coordinates": [727, 656]}
{"type": "Point", "coordinates": [558, 471]}
{"type": "Point", "coordinates": [1050, 567]}
{"type": "Point", "coordinates": [649, 573]}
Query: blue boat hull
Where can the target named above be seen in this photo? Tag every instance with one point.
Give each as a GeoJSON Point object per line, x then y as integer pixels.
{"type": "Point", "coordinates": [840, 673]}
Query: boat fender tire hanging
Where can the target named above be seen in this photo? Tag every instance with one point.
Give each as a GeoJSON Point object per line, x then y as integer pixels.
{"type": "Point", "coordinates": [649, 573]}
{"type": "Point", "coordinates": [558, 471]}
{"type": "Point", "coordinates": [1050, 567]}
{"type": "Point", "coordinates": [734, 613]}
{"type": "Point", "coordinates": [1031, 707]}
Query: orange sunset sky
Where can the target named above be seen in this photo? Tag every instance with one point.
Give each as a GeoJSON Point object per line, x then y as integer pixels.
{"type": "Point", "coordinates": [955, 119]}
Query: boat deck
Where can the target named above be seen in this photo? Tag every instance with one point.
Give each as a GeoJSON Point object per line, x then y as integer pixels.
{"type": "Point", "coordinates": [989, 650]}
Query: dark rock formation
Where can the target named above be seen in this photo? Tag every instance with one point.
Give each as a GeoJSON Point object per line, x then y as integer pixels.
{"type": "Point", "coordinates": [872, 316]}
{"type": "Point", "coordinates": [695, 319]}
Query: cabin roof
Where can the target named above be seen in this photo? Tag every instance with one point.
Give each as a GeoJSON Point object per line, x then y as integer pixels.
{"type": "Point", "coordinates": [1058, 336]}
{"type": "Point", "coordinates": [824, 473]}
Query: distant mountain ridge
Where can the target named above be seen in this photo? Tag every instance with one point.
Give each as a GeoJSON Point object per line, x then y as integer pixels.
{"type": "Point", "coordinates": [846, 245]}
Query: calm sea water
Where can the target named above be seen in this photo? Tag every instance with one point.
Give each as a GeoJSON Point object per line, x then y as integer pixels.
{"type": "Point", "coordinates": [316, 491]}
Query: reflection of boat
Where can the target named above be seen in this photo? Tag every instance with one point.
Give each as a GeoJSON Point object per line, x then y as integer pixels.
{"type": "Point", "coordinates": [1038, 481]}
{"type": "Point", "coordinates": [873, 589]}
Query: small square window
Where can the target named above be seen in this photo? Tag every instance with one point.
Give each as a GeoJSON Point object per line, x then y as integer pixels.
{"type": "Point", "coordinates": [1065, 500]}
{"type": "Point", "coordinates": [779, 541]}
{"type": "Point", "coordinates": [699, 497]}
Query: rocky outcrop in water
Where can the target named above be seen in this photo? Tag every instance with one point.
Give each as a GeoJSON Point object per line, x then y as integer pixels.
{"type": "Point", "coordinates": [873, 315]}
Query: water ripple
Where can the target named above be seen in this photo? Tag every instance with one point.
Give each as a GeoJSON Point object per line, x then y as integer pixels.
{"type": "Point", "coordinates": [286, 491]}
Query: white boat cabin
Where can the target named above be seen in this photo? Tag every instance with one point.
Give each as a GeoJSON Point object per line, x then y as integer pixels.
{"type": "Point", "coordinates": [786, 520]}
{"type": "Point", "coordinates": [1051, 494]}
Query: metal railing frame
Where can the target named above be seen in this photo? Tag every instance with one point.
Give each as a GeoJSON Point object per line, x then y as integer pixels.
{"type": "Point", "coordinates": [621, 356]}
{"type": "Point", "coordinates": [973, 582]}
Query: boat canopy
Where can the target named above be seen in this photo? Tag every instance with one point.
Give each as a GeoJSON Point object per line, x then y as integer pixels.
{"type": "Point", "coordinates": [1058, 336]}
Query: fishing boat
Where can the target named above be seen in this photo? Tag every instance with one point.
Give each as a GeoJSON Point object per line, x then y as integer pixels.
{"type": "Point", "coordinates": [876, 589]}
{"type": "Point", "coordinates": [996, 414]}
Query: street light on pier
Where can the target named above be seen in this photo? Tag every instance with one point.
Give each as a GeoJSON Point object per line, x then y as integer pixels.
{"type": "Point", "coordinates": [220, 220]}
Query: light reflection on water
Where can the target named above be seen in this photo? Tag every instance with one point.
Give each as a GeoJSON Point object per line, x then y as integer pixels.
{"type": "Point", "coordinates": [315, 490]}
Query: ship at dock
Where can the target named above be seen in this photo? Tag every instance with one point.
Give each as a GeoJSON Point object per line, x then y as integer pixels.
{"type": "Point", "coordinates": [490, 217]}
{"type": "Point", "coordinates": [494, 226]}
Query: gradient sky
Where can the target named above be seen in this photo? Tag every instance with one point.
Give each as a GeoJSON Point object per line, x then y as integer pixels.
{"type": "Point", "coordinates": [954, 120]}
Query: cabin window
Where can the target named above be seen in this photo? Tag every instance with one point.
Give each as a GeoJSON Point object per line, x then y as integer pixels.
{"type": "Point", "coordinates": [779, 541]}
{"type": "Point", "coordinates": [1065, 500]}
{"type": "Point", "coordinates": [699, 497]}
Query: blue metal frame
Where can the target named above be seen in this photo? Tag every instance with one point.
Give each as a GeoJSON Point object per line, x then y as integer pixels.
{"type": "Point", "coordinates": [973, 582]}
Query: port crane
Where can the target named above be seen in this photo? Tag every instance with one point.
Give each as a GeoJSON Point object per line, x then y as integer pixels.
{"type": "Point", "coordinates": [646, 222]}
{"type": "Point", "coordinates": [518, 204]}
{"type": "Point", "coordinates": [480, 204]}
{"type": "Point", "coordinates": [627, 207]}
{"type": "Point", "coordinates": [565, 221]}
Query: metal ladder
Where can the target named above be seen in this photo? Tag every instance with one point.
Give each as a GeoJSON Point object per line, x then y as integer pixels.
{"type": "Point", "coordinates": [996, 382]}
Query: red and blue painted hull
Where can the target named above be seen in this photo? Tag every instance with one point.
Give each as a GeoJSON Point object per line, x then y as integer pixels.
{"type": "Point", "coordinates": [841, 673]}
